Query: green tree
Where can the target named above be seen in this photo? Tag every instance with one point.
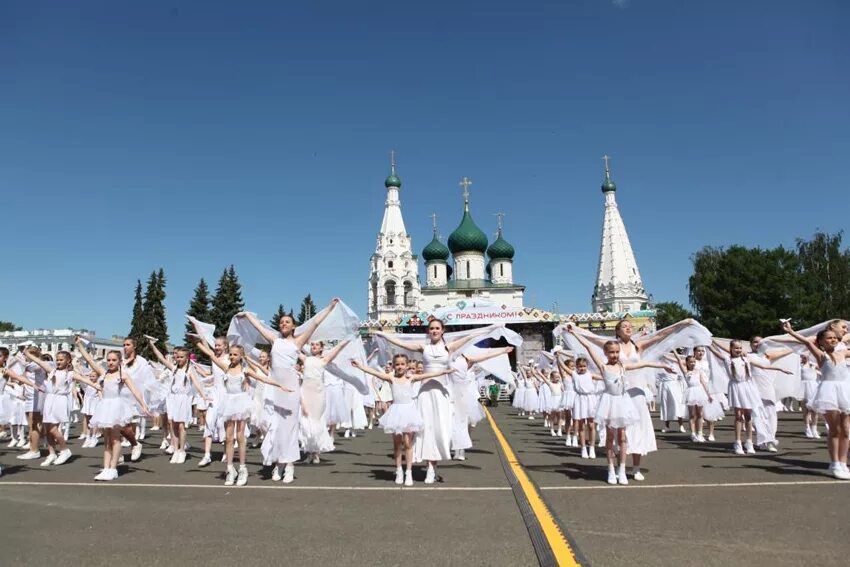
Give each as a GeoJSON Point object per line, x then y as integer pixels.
{"type": "Point", "coordinates": [153, 311]}
{"type": "Point", "coordinates": [227, 301]}
{"type": "Point", "coordinates": [7, 326]}
{"type": "Point", "coordinates": [199, 308]}
{"type": "Point", "coordinates": [308, 309]}
{"type": "Point", "coordinates": [137, 323]}
{"type": "Point", "coordinates": [274, 322]}
{"type": "Point", "coordinates": [825, 279]}
{"type": "Point", "coordinates": [669, 312]}
{"type": "Point", "coordinates": [739, 292]}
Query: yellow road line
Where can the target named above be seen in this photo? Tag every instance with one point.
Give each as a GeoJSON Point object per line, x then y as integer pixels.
{"type": "Point", "coordinates": [564, 554]}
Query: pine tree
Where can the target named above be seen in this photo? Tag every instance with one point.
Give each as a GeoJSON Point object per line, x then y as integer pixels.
{"type": "Point", "coordinates": [153, 313]}
{"type": "Point", "coordinates": [199, 308]}
{"type": "Point", "coordinates": [227, 301]}
{"type": "Point", "coordinates": [274, 322]}
{"type": "Point", "coordinates": [308, 309]}
{"type": "Point", "coordinates": [136, 330]}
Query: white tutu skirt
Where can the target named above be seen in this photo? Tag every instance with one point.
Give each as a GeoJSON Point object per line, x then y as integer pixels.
{"type": "Point", "coordinates": [519, 398]}
{"type": "Point", "coordinates": [313, 435]}
{"type": "Point", "coordinates": [111, 412]}
{"type": "Point", "coordinates": [57, 408]}
{"type": "Point", "coordinates": [832, 395]}
{"type": "Point", "coordinates": [90, 402]}
{"type": "Point", "coordinates": [568, 399]}
{"type": "Point", "coordinates": [401, 418]}
{"type": "Point", "coordinates": [584, 406]}
{"type": "Point", "coordinates": [155, 397]}
{"type": "Point", "coordinates": [235, 407]}
{"type": "Point", "coordinates": [810, 390]}
{"type": "Point", "coordinates": [179, 407]}
{"type": "Point", "coordinates": [530, 400]}
{"type": "Point", "coordinates": [475, 413]}
{"type": "Point", "coordinates": [616, 411]}
{"type": "Point", "coordinates": [695, 396]}
{"type": "Point", "coordinates": [15, 414]}
{"type": "Point", "coordinates": [713, 410]}
{"type": "Point", "coordinates": [744, 395]}
{"type": "Point", "coordinates": [544, 399]}
{"type": "Point", "coordinates": [336, 408]}
{"type": "Point", "coordinates": [200, 403]}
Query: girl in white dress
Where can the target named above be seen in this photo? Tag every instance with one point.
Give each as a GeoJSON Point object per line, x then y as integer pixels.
{"type": "Point", "coordinates": [519, 395]}
{"type": "Point", "coordinates": [33, 402]}
{"type": "Point", "coordinates": [809, 381]}
{"type": "Point", "coordinates": [566, 370]}
{"type": "Point", "coordinates": [14, 388]}
{"type": "Point", "coordinates": [531, 399]}
{"type": "Point", "coordinates": [832, 398]}
{"type": "Point", "coordinates": [57, 410]}
{"type": "Point", "coordinates": [235, 406]}
{"type": "Point", "coordinates": [697, 395]}
{"type": "Point", "coordinates": [551, 383]}
{"type": "Point", "coordinates": [585, 402]}
{"type": "Point", "coordinates": [671, 399]}
{"type": "Point", "coordinates": [402, 420]}
{"type": "Point", "coordinates": [433, 443]}
{"type": "Point", "coordinates": [616, 409]}
{"type": "Point", "coordinates": [315, 438]}
{"type": "Point", "coordinates": [113, 412]}
{"type": "Point", "coordinates": [184, 385]}
{"type": "Point", "coordinates": [716, 409]}
{"type": "Point", "coordinates": [280, 445]}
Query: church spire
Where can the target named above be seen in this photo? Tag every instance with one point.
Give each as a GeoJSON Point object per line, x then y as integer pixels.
{"type": "Point", "coordinates": [619, 286]}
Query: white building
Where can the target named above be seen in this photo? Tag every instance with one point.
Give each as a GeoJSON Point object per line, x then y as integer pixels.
{"type": "Point", "coordinates": [51, 341]}
{"type": "Point", "coordinates": [618, 284]}
{"type": "Point", "coordinates": [394, 270]}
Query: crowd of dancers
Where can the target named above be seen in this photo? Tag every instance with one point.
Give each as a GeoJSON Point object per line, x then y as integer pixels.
{"type": "Point", "coordinates": [295, 397]}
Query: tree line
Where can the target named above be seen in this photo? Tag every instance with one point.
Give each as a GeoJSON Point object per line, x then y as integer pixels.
{"type": "Point", "coordinates": [149, 318]}
{"type": "Point", "coordinates": [740, 292]}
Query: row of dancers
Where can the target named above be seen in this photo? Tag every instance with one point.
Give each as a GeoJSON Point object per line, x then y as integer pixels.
{"type": "Point", "coordinates": [613, 400]}
{"type": "Point", "coordinates": [286, 396]}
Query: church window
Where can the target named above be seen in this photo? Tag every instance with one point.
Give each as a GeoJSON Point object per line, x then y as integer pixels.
{"type": "Point", "coordinates": [390, 264]}
{"type": "Point", "coordinates": [435, 272]}
{"type": "Point", "coordinates": [389, 287]}
{"type": "Point", "coordinates": [408, 294]}
{"type": "Point", "coordinates": [468, 272]}
{"type": "Point", "coordinates": [501, 269]}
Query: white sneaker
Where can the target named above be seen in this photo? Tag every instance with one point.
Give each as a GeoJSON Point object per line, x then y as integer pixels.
{"type": "Point", "coordinates": [315, 459]}
{"type": "Point", "coordinates": [531, 418]}
{"type": "Point", "coordinates": [164, 445]}
{"type": "Point", "coordinates": [276, 474]}
{"type": "Point", "coordinates": [136, 453]}
{"type": "Point", "coordinates": [231, 476]}
{"type": "Point", "coordinates": [681, 429]}
{"type": "Point", "coordinates": [83, 436]}
{"type": "Point", "coordinates": [591, 453]}
{"type": "Point", "coordinates": [13, 442]}
{"type": "Point", "coordinates": [205, 461]}
{"type": "Point", "coordinates": [771, 447]}
{"type": "Point", "coordinates": [739, 450]}
{"type": "Point", "coordinates": [30, 455]}
{"type": "Point", "coordinates": [552, 432]}
{"type": "Point", "coordinates": [663, 430]}
{"type": "Point", "coordinates": [711, 437]}
{"type": "Point", "coordinates": [575, 440]}
{"type": "Point", "coordinates": [22, 442]}
{"type": "Point", "coordinates": [408, 478]}
{"type": "Point", "coordinates": [560, 433]}
{"type": "Point", "coordinates": [748, 447]}
{"type": "Point", "coordinates": [102, 475]}
{"type": "Point", "coordinates": [700, 438]}
{"type": "Point", "coordinates": [125, 443]}
{"type": "Point", "coordinates": [584, 452]}
{"type": "Point", "coordinates": [155, 428]}
{"type": "Point", "coordinates": [170, 450]}
{"type": "Point", "coordinates": [460, 455]}
{"type": "Point", "coordinates": [51, 458]}
{"type": "Point", "coordinates": [347, 433]}
{"type": "Point", "coordinates": [181, 458]}
{"type": "Point", "coordinates": [694, 437]}
{"type": "Point", "coordinates": [121, 460]}
{"type": "Point", "coordinates": [637, 475]}
{"type": "Point", "coordinates": [288, 473]}
{"type": "Point", "coordinates": [808, 433]}
{"type": "Point", "coordinates": [815, 433]}
{"type": "Point", "coordinates": [839, 472]}
{"type": "Point", "coordinates": [399, 476]}
{"type": "Point", "coordinates": [174, 456]}
{"type": "Point", "coordinates": [621, 477]}
{"type": "Point", "coordinates": [612, 475]}
{"type": "Point", "coordinates": [242, 477]}
{"type": "Point", "coordinates": [430, 475]}
{"type": "Point", "coordinates": [63, 457]}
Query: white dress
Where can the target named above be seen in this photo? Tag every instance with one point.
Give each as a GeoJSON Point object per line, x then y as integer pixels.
{"type": "Point", "coordinates": [15, 395]}
{"type": "Point", "coordinates": [112, 410]}
{"type": "Point", "coordinates": [57, 403]}
{"type": "Point", "coordinates": [519, 395]}
{"type": "Point", "coordinates": [458, 382]}
{"type": "Point", "coordinates": [236, 403]}
{"type": "Point", "coordinates": [615, 408]}
{"type": "Point", "coordinates": [531, 400]}
{"type": "Point", "coordinates": [640, 434]}
{"type": "Point", "coordinates": [179, 401]}
{"type": "Point", "coordinates": [543, 398]}
{"type": "Point", "coordinates": [336, 408]}
{"type": "Point", "coordinates": [568, 399]}
{"type": "Point", "coordinates": [743, 393]}
{"type": "Point", "coordinates": [313, 433]}
{"type": "Point", "coordinates": [403, 416]}
{"type": "Point", "coordinates": [695, 394]}
{"type": "Point", "coordinates": [586, 399]}
{"type": "Point", "coordinates": [833, 393]}
{"type": "Point", "coordinates": [33, 398]}
{"type": "Point", "coordinates": [281, 442]}
{"type": "Point", "coordinates": [556, 396]}
{"type": "Point", "coordinates": [809, 380]}
{"type": "Point", "coordinates": [433, 443]}
{"type": "Point", "coordinates": [671, 405]}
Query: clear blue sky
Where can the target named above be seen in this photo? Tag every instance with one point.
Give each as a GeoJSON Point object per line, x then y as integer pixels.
{"type": "Point", "coordinates": [139, 135]}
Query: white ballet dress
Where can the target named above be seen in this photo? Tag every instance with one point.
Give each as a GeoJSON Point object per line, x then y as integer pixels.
{"type": "Point", "coordinates": [34, 398]}
{"type": "Point", "coordinates": [531, 400]}
{"type": "Point", "coordinates": [57, 403]}
{"type": "Point", "coordinates": [671, 404]}
{"type": "Point", "coordinates": [15, 404]}
{"type": "Point", "coordinates": [336, 408]}
{"type": "Point", "coordinates": [695, 394]}
{"type": "Point", "coordinates": [519, 395]}
{"type": "Point", "coordinates": [809, 381]}
{"type": "Point", "coordinates": [384, 392]}
{"type": "Point", "coordinates": [112, 410]}
{"type": "Point", "coordinates": [474, 410]}
{"type": "Point", "coordinates": [91, 398]}
{"type": "Point", "coordinates": [178, 404]}
{"type": "Point", "coordinates": [280, 444]}
{"type": "Point", "coordinates": [314, 436]}
{"type": "Point", "coordinates": [403, 416]}
{"type": "Point", "coordinates": [641, 434]}
{"type": "Point", "coordinates": [586, 398]}
{"type": "Point", "coordinates": [543, 398]}
{"type": "Point", "coordinates": [568, 398]}
{"type": "Point", "coordinates": [556, 396]}
{"type": "Point", "coordinates": [433, 443]}
{"type": "Point", "coordinates": [615, 408]}
{"type": "Point", "coordinates": [743, 393]}
{"type": "Point", "coordinates": [458, 382]}
{"type": "Point", "coordinates": [833, 393]}
{"type": "Point", "coordinates": [236, 403]}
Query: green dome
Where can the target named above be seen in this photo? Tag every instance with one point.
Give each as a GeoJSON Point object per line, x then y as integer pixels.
{"type": "Point", "coordinates": [435, 250]}
{"type": "Point", "coordinates": [392, 181]}
{"type": "Point", "coordinates": [467, 237]}
{"type": "Point", "coordinates": [608, 185]}
{"type": "Point", "coordinates": [501, 249]}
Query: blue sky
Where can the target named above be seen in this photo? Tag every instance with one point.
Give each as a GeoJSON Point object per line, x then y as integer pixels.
{"type": "Point", "coordinates": [140, 135]}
